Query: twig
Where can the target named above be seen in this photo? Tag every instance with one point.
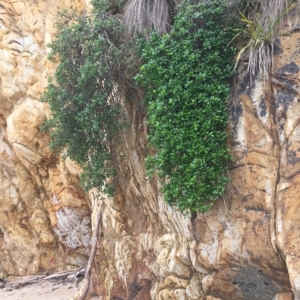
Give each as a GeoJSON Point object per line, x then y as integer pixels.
{"type": "Point", "coordinates": [92, 256]}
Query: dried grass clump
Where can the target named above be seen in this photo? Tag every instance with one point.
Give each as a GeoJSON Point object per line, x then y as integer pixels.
{"type": "Point", "coordinates": [262, 26]}
{"type": "Point", "coordinates": [145, 15]}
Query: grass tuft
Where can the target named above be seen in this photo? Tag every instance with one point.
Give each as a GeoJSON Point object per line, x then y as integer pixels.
{"type": "Point", "coordinates": [262, 26]}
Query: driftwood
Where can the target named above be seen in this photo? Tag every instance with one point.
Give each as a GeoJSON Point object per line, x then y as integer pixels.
{"type": "Point", "coordinates": [34, 279]}
{"type": "Point", "coordinates": [60, 274]}
{"type": "Point", "coordinates": [92, 256]}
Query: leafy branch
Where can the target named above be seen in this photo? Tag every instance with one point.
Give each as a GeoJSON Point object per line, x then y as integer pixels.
{"type": "Point", "coordinates": [86, 92]}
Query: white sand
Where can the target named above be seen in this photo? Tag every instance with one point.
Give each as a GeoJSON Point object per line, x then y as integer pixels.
{"type": "Point", "coordinates": [38, 288]}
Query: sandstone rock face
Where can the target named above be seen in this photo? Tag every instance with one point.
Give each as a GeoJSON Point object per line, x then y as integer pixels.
{"type": "Point", "coordinates": [246, 247]}
{"type": "Point", "coordinates": [44, 214]}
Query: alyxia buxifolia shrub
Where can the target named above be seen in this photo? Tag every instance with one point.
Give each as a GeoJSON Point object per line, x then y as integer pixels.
{"type": "Point", "coordinates": [185, 75]}
{"type": "Point", "coordinates": [86, 91]}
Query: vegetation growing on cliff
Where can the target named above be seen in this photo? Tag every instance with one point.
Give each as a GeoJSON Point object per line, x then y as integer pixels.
{"type": "Point", "coordinates": [185, 75]}
{"type": "Point", "coordinates": [186, 64]}
{"type": "Point", "coordinates": [261, 21]}
{"type": "Point", "coordinates": [185, 72]}
{"type": "Point", "coordinates": [144, 16]}
{"type": "Point", "coordinates": [86, 92]}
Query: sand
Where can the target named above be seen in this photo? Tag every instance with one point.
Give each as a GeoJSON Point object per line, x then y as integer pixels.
{"type": "Point", "coordinates": [38, 287]}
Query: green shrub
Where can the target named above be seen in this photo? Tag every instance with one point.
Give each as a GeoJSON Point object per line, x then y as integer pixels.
{"type": "Point", "coordinates": [185, 75]}
{"type": "Point", "coordinates": [86, 91]}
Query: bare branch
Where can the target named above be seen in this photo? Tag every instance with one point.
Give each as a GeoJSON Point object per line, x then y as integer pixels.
{"type": "Point", "coordinates": [92, 255]}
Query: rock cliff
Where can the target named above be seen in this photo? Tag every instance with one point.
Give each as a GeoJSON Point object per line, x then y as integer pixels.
{"type": "Point", "coordinates": [44, 214]}
{"type": "Point", "coordinates": [246, 247]}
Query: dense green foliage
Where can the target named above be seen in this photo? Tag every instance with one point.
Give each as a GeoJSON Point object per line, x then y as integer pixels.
{"type": "Point", "coordinates": [85, 93]}
{"type": "Point", "coordinates": [185, 75]}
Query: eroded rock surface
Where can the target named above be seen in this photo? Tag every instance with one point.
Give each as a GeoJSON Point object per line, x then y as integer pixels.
{"type": "Point", "coordinates": [44, 214]}
{"type": "Point", "coordinates": [246, 247]}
